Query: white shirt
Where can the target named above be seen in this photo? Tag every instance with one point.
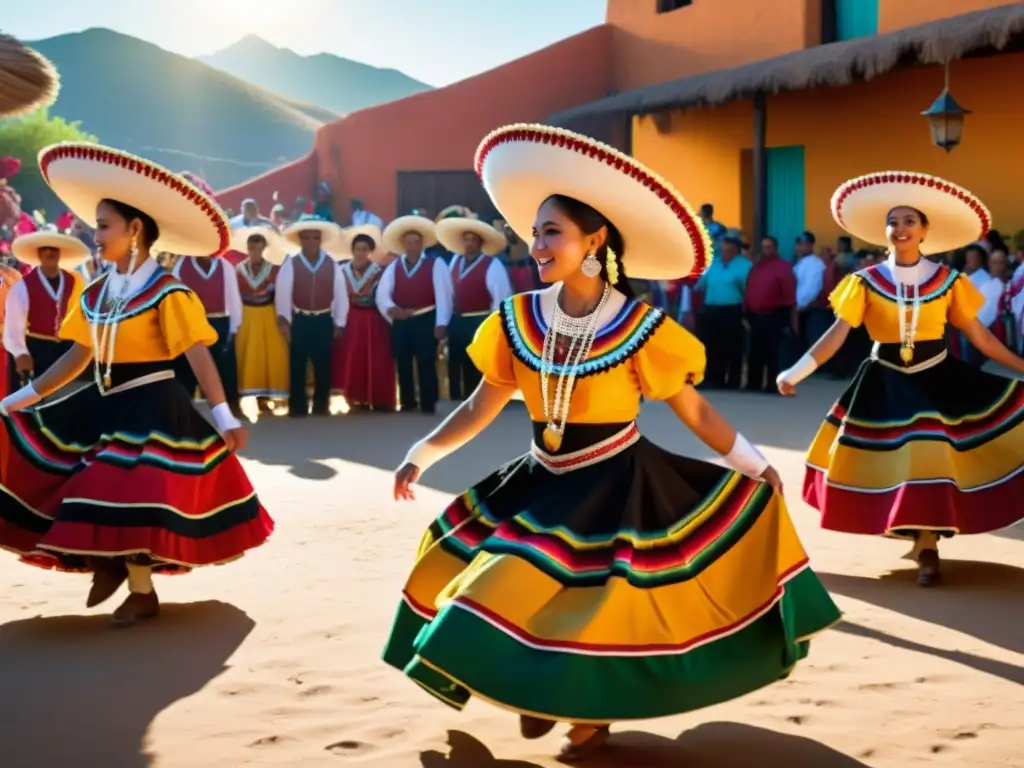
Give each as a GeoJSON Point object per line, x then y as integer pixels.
{"type": "Point", "coordinates": [286, 282]}
{"type": "Point", "coordinates": [361, 218]}
{"type": "Point", "coordinates": [993, 292]}
{"type": "Point", "coordinates": [17, 306]}
{"type": "Point", "coordinates": [810, 277]}
{"type": "Point", "coordinates": [498, 283]}
{"type": "Point", "coordinates": [232, 296]}
{"type": "Point", "coordinates": [912, 275]}
{"type": "Point", "coordinates": [979, 277]}
{"type": "Point", "coordinates": [443, 291]}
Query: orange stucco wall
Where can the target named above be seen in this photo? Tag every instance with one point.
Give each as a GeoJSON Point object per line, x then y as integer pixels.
{"type": "Point", "coordinates": [854, 130]}
{"type": "Point", "coordinates": [708, 35]}
{"type": "Point", "coordinates": [289, 181]}
{"type": "Point", "coordinates": [361, 154]}
{"type": "Point", "coordinates": [897, 14]}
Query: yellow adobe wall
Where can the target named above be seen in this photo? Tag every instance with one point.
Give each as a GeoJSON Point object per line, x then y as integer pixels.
{"type": "Point", "coordinates": [850, 131]}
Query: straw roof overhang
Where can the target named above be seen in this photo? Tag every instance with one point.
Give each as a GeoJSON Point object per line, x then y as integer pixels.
{"type": "Point", "coordinates": [986, 32]}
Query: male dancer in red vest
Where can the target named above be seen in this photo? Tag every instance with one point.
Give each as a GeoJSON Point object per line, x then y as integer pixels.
{"type": "Point", "coordinates": [215, 283]}
{"type": "Point", "coordinates": [37, 304]}
{"type": "Point", "coordinates": [311, 299]}
{"type": "Point", "coordinates": [480, 283]}
{"type": "Point", "coordinates": [415, 295]}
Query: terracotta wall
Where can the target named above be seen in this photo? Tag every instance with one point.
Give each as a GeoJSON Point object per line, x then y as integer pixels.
{"type": "Point", "coordinates": [289, 181]}
{"type": "Point", "coordinates": [851, 131]}
{"type": "Point", "coordinates": [897, 14]}
{"type": "Point", "coordinates": [708, 35]}
{"type": "Point", "coordinates": [361, 154]}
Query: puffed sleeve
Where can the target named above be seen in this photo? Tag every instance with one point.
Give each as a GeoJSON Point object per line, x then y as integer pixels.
{"type": "Point", "coordinates": [491, 353]}
{"type": "Point", "coordinates": [966, 301]}
{"type": "Point", "coordinates": [74, 327]}
{"type": "Point", "coordinates": [183, 322]}
{"type": "Point", "coordinates": [670, 359]}
{"type": "Point", "coordinates": [849, 300]}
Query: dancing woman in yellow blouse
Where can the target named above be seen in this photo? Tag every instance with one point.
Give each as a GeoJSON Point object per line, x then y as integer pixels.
{"type": "Point", "coordinates": [123, 477]}
{"type": "Point", "coordinates": [599, 577]}
{"type": "Point", "coordinates": [920, 445]}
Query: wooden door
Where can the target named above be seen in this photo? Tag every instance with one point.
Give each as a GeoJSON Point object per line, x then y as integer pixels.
{"type": "Point", "coordinates": [436, 190]}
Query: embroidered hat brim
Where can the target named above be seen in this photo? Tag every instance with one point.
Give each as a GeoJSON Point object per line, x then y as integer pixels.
{"type": "Point", "coordinates": [956, 217]}
{"type": "Point", "coordinates": [73, 251]}
{"type": "Point", "coordinates": [277, 247]}
{"type": "Point", "coordinates": [450, 233]}
{"type": "Point", "coordinates": [82, 175]}
{"type": "Point", "coordinates": [28, 81]}
{"type": "Point", "coordinates": [403, 225]}
{"type": "Point", "coordinates": [521, 166]}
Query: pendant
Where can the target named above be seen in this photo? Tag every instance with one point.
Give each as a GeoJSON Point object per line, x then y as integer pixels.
{"type": "Point", "coordinates": [552, 438]}
{"type": "Point", "coordinates": [906, 354]}
{"type": "Point", "coordinates": [106, 381]}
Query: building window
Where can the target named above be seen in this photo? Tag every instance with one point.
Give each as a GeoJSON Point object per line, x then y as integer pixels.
{"type": "Point", "coordinates": [667, 6]}
{"type": "Point", "coordinates": [848, 19]}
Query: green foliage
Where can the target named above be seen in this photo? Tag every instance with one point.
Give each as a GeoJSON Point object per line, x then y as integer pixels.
{"type": "Point", "coordinates": [23, 137]}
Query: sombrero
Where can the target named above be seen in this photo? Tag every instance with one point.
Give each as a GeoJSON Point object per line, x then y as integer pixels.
{"type": "Point", "coordinates": [400, 227]}
{"type": "Point", "coordinates": [955, 216]}
{"type": "Point", "coordinates": [379, 253]}
{"type": "Point", "coordinates": [277, 246]}
{"type": "Point", "coordinates": [72, 250]}
{"type": "Point", "coordinates": [450, 232]}
{"type": "Point", "coordinates": [331, 237]}
{"type": "Point", "coordinates": [523, 165]}
{"type": "Point", "coordinates": [84, 174]}
{"type": "Point", "coordinates": [28, 80]}
{"type": "Point", "coordinates": [453, 211]}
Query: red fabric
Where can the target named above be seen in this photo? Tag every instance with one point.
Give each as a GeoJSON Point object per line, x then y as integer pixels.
{"type": "Point", "coordinates": [522, 277]}
{"type": "Point", "coordinates": [210, 290]}
{"type": "Point", "coordinates": [915, 506]}
{"type": "Point", "coordinates": [362, 367]}
{"type": "Point", "coordinates": [234, 258]}
{"type": "Point", "coordinates": [829, 280]}
{"type": "Point", "coordinates": [415, 292]}
{"type": "Point", "coordinates": [313, 291]}
{"type": "Point", "coordinates": [771, 285]}
{"type": "Point", "coordinates": [44, 314]}
{"type": "Point", "coordinates": [65, 220]}
{"type": "Point", "coordinates": [471, 294]}
{"type": "Point", "coordinates": [26, 224]}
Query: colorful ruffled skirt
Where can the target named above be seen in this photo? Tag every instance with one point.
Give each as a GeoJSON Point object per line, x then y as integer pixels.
{"type": "Point", "coordinates": [612, 581]}
{"type": "Point", "coordinates": [135, 472]}
{"type": "Point", "coordinates": [937, 445]}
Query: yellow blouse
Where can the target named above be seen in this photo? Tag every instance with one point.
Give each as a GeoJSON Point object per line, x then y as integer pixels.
{"type": "Point", "coordinates": [159, 323]}
{"type": "Point", "coordinates": [869, 297]}
{"type": "Point", "coordinates": [640, 352]}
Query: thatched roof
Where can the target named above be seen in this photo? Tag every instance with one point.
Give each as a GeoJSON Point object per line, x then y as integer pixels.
{"type": "Point", "coordinates": [834, 64]}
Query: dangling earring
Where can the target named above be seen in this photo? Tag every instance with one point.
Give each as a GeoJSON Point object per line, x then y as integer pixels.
{"type": "Point", "coordinates": [591, 267]}
{"type": "Point", "coordinates": [133, 252]}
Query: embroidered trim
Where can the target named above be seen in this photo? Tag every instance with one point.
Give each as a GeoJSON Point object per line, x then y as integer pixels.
{"type": "Point", "coordinates": [935, 287]}
{"type": "Point", "coordinates": [161, 284]}
{"type": "Point", "coordinates": [530, 355]}
{"type": "Point", "coordinates": [592, 454]}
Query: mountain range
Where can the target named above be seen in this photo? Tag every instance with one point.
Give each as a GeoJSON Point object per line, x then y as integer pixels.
{"type": "Point", "coordinates": [229, 117]}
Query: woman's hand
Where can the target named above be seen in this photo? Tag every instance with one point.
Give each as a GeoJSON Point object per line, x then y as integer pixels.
{"type": "Point", "coordinates": [406, 475]}
{"type": "Point", "coordinates": [771, 477]}
{"type": "Point", "coordinates": [786, 389]}
{"type": "Point", "coordinates": [236, 439]}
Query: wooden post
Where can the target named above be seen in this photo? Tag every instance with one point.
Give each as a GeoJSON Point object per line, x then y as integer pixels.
{"type": "Point", "coordinates": [760, 172]}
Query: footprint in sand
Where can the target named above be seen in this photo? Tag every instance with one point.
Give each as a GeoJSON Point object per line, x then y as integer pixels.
{"type": "Point", "coordinates": [797, 719]}
{"type": "Point", "coordinates": [878, 686]}
{"type": "Point", "coordinates": [267, 741]}
{"type": "Point", "coordinates": [316, 690]}
{"type": "Point", "coordinates": [349, 748]}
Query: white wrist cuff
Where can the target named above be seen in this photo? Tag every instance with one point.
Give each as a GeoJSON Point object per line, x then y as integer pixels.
{"type": "Point", "coordinates": [423, 455]}
{"type": "Point", "coordinates": [23, 398]}
{"type": "Point", "coordinates": [224, 418]}
{"type": "Point", "coordinates": [804, 367]}
{"type": "Point", "coordinates": [746, 458]}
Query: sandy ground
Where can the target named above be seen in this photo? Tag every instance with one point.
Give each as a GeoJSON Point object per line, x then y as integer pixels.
{"type": "Point", "coordinates": [275, 660]}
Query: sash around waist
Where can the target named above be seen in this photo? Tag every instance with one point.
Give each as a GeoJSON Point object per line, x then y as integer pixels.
{"type": "Point", "coordinates": [579, 436]}
{"type": "Point", "coordinates": [923, 352]}
{"type": "Point", "coordinates": [122, 373]}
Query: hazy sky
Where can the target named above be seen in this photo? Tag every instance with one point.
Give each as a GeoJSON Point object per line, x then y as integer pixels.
{"type": "Point", "coordinates": [437, 41]}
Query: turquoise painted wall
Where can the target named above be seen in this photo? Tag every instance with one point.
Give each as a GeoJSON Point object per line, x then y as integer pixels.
{"type": "Point", "coordinates": [856, 18]}
{"type": "Point", "coordinates": [786, 196]}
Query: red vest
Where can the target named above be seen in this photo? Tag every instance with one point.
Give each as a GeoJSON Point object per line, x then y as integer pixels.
{"type": "Point", "coordinates": [417, 291]}
{"type": "Point", "coordinates": [829, 281]}
{"type": "Point", "coordinates": [313, 290]}
{"type": "Point", "coordinates": [210, 290]}
{"type": "Point", "coordinates": [471, 293]}
{"type": "Point", "coordinates": [44, 314]}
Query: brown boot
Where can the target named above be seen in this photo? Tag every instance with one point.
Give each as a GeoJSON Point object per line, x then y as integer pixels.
{"type": "Point", "coordinates": [582, 741]}
{"type": "Point", "coordinates": [108, 574]}
{"type": "Point", "coordinates": [534, 727]}
{"type": "Point", "coordinates": [928, 573]}
{"type": "Point", "coordinates": [136, 608]}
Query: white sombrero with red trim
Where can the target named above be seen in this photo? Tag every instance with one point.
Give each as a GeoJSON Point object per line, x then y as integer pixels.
{"type": "Point", "coordinates": [82, 175]}
{"type": "Point", "coordinates": [403, 225]}
{"type": "Point", "coordinates": [956, 217]}
{"type": "Point", "coordinates": [379, 253]}
{"type": "Point", "coordinates": [277, 247]}
{"type": "Point", "coordinates": [451, 230]}
{"type": "Point", "coordinates": [521, 166]}
{"type": "Point", "coordinates": [72, 250]}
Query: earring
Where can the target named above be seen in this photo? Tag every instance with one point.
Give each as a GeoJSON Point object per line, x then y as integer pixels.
{"type": "Point", "coordinates": [133, 253]}
{"type": "Point", "coordinates": [591, 267]}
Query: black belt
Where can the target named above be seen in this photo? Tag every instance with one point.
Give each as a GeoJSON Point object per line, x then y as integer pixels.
{"type": "Point", "coordinates": [923, 351]}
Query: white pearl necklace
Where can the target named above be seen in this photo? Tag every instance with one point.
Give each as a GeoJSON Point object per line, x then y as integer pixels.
{"type": "Point", "coordinates": [105, 341]}
{"type": "Point", "coordinates": [581, 332]}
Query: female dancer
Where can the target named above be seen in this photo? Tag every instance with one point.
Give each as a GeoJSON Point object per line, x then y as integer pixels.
{"type": "Point", "coordinates": [599, 577]}
{"type": "Point", "coordinates": [262, 352]}
{"type": "Point", "coordinates": [920, 445]}
{"type": "Point", "coordinates": [124, 477]}
{"type": "Point", "coordinates": [363, 368]}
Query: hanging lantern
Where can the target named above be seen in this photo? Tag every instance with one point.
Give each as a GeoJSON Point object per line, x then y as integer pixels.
{"type": "Point", "coordinates": [946, 119]}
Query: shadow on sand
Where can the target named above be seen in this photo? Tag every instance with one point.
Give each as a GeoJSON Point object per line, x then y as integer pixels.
{"type": "Point", "coordinates": [723, 745]}
{"type": "Point", "coordinates": [975, 598]}
{"type": "Point", "coordinates": [93, 706]}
